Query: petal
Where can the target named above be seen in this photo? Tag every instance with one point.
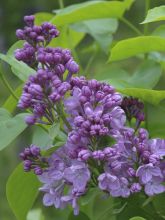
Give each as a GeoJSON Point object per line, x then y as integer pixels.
{"type": "Point", "coordinates": [48, 199]}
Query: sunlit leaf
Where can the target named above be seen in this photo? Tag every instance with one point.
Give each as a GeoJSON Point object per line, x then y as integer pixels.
{"type": "Point", "coordinates": [69, 38]}
{"type": "Point", "coordinates": [159, 31]}
{"type": "Point", "coordinates": [91, 10]}
{"type": "Point", "coordinates": [42, 17]}
{"type": "Point", "coordinates": [151, 96]}
{"type": "Point", "coordinates": [155, 14]}
{"type": "Point", "coordinates": [134, 46]}
{"type": "Point", "coordinates": [100, 29]}
{"type": "Point", "coordinates": [22, 190]}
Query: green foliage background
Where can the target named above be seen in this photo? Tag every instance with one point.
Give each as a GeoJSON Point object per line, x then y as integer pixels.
{"type": "Point", "coordinates": [91, 45]}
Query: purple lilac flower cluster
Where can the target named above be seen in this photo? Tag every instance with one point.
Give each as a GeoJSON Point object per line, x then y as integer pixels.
{"type": "Point", "coordinates": [33, 160]}
{"type": "Point", "coordinates": [100, 149]}
{"type": "Point", "coordinates": [48, 85]}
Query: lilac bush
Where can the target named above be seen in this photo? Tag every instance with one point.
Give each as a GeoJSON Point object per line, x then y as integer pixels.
{"type": "Point", "coordinates": [101, 149]}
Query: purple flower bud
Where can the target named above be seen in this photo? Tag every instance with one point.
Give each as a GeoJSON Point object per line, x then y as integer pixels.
{"type": "Point", "coordinates": [65, 86]}
{"type": "Point", "coordinates": [108, 89]}
{"type": "Point", "coordinates": [57, 58]}
{"type": "Point", "coordinates": [72, 66]}
{"type": "Point", "coordinates": [135, 188]}
{"type": "Point", "coordinates": [27, 163]}
{"type": "Point", "coordinates": [98, 155]}
{"type": "Point", "coordinates": [131, 172]}
{"type": "Point", "coordinates": [35, 89]}
{"type": "Point", "coordinates": [54, 97]}
{"type": "Point", "coordinates": [109, 152]}
{"type": "Point", "coordinates": [142, 134]}
{"type": "Point", "coordinates": [100, 95]}
{"type": "Point", "coordinates": [35, 151]}
{"type": "Point", "coordinates": [22, 156]}
{"type": "Point", "coordinates": [140, 116]}
{"type": "Point", "coordinates": [60, 69]}
{"type": "Point", "coordinates": [33, 35]}
{"type": "Point", "coordinates": [93, 83]}
{"type": "Point", "coordinates": [27, 152]}
{"type": "Point", "coordinates": [86, 91]}
{"type": "Point", "coordinates": [104, 131]}
{"type": "Point", "coordinates": [49, 58]}
{"type": "Point", "coordinates": [146, 155]}
{"type": "Point", "coordinates": [40, 39]}
{"type": "Point", "coordinates": [37, 29]}
{"type": "Point", "coordinates": [83, 99]}
{"type": "Point", "coordinates": [78, 120]}
{"type": "Point", "coordinates": [41, 58]}
{"type": "Point", "coordinates": [84, 155]}
{"type": "Point", "coordinates": [20, 34]}
{"type": "Point", "coordinates": [73, 137]}
{"type": "Point", "coordinates": [66, 55]}
{"type": "Point", "coordinates": [38, 170]}
{"type": "Point", "coordinates": [86, 124]}
{"type": "Point", "coordinates": [30, 120]}
{"type": "Point", "coordinates": [29, 20]}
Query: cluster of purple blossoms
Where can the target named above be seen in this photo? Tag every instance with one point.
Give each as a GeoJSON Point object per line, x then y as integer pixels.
{"type": "Point", "coordinates": [100, 149]}
{"type": "Point", "coordinates": [133, 164]}
{"type": "Point", "coordinates": [32, 160]}
{"type": "Point", "coordinates": [48, 85]}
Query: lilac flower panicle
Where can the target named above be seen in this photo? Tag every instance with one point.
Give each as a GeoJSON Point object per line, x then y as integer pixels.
{"type": "Point", "coordinates": [100, 150]}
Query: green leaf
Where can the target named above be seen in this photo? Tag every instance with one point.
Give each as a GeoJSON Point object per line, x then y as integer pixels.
{"type": "Point", "coordinates": [20, 69]}
{"type": "Point", "coordinates": [103, 207]}
{"type": "Point", "coordinates": [91, 10]}
{"type": "Point", "coordinates": [150, 96]}
{"type": "Point", "coordinates": [81, 216]}
{"type": "Point", "coordinates": [156, 124]}
{"type": "Point", "coordinates": [134, 46]}
{"type": "Point", "coordinates": [4, 115]}
{"type": "Point", "coordinates": [16, 45]}
{"type": "Point", "coordinates": [35, 214]}
{"type": "Point", "coordinates": [42, 17]}
{"type": "Point", "coordinates": [159, 31]}
{"type": "Point", "coordinates": [155, 14]}
{"type": "Point", "coordinates": [146, 76]}
{"type": "Point", "coordinates": [11, 103]}
{"type": "Point", "coordinates": [90, 195]}
{"type": "Point", "coordinates": [100, 29]}
{"type": "Point", "coordinates": [55, 132]}
{"type": "Point", "coordinates": [10, 128]}
{"type": "Point", "coordinates": [158, 203]}
{"type": "Point", "coordinates": [69, 38]}
{"type": "Point", "coordinates": [22, 190]}
{"type": "Point", "coordinates": [137, 218]}
{"type": "Point", "coordinates": [41, 138]}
